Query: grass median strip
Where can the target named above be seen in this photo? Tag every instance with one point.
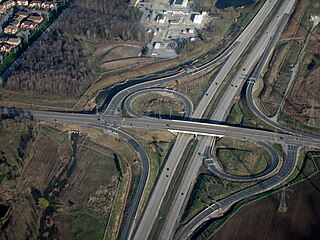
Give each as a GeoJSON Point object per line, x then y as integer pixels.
{"type": "Point", "coordinates": [172, 190]}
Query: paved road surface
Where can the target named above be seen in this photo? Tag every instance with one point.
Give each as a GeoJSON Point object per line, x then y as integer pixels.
{"type": "Point", "coordinates": [151, 81]}
{"type": "Point", "coordinates": [222, 108]}
{"type": "Point", "coordinates": [189, 127]}
{"type": "Point", "coordinates": [154, 203]}
{"type": "Point", "coordinates": [91, 120]}
{"type": "Point", "coordinates": [270, 170]}
{"type": "Point", "coordinates": [208, 213]}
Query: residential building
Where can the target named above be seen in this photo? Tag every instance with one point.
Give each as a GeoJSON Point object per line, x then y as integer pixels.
{"type": "Point", "coordinates": [48, 5]}
{"type": "Point", "coordinates": [23, 14]}
{"type": "Point", "coordinates": [22, 2]}
{"type": "Point", "coordinates": [11, 29]}
{"type": "Point", "coordinates": [3, 39]}
{"type": "Point", "coordinates": [28, 24]}
{"type": "Point", "coordinates": [35, 3]}
{"type": "Point", "coordinates": [6, 48]}
{"type": "Point", "coordinates": [8, 4]}
{"type": "Point", "coordinates": [15, 41]}
{"type": "Point", "coordinates": [35, 18]}
{"type": "Point", "coordinates": [15, 23]}
{"type": "Point", "coordinates": [18, 18]}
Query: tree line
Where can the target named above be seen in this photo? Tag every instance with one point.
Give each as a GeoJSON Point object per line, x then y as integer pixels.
{"type": "Point", "coordinates": [104, 19]}
{"type": "Point", "coordinates": [58, 63]}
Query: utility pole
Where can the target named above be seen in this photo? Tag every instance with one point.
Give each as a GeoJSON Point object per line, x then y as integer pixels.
{"type": "Point", "coordinates": [283, 206]}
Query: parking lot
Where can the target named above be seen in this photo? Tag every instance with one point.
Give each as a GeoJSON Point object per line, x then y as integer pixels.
{"type": "Point", "coordinates": [172, 23]}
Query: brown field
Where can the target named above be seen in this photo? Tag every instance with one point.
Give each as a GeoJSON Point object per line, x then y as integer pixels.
{"type": "Point", "coordinates": [122, 63]}
{"type": "Point", "coordinates": [154, 104]}
{"type": "Point", "coordinates": [261, 220]}
{"type": "Point", "coordinates": [305, 91]}
{"type": "Point", "coordinates": [301, 108]}
{"type": "Point", "coordinates": [78, 182]}
{"type": "Point", "coordinates": [120, 52]}
{"type": "Point", "coordinates": [293, 23]}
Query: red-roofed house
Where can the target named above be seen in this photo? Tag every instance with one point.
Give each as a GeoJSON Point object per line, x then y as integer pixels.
{"type": "Point", "coordinates": [6, 48]}
{"type": "Point", "coordinates": [15, 41]}
{"type": "Point", "coordinates": [11, 29]}
{"type": "Point", "coordinates": [28, 24]}
{"type": "Point", "coordinates": [22, 14]}
{"type": "Point", "coordinates": [22, 2]}
{"type": "Point", "coordinates": [35, 3]}
{"type": "Point", "coordinates": [35, 18]}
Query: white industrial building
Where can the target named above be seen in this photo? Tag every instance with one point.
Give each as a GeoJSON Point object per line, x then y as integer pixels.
{"type": "Point", "coordinates": [196, 18]}
{"type": "Point", "coordinates": [180, 3]}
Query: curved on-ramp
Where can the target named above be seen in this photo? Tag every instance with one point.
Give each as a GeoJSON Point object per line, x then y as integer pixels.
{"type": "Point", "coordinates": [184, 99]}
{"type": "Point", "coordinates": [270, 170]}
{"type": "Point", "coordinates": [291, 160]}
{"type": "Point", "coordinates": [144, 160]}
{"type": "Point", "coordinates": [118, 98]}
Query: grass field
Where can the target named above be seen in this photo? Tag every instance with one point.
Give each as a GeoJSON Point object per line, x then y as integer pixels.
{"type": "Point", "coordinates": [240, 114]}
{"type": "Point", "coordinates": [241, 158]}
{"type": "Point", "coordinates": [153, 104]}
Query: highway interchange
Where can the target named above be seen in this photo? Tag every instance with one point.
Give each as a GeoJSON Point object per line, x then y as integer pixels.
{"type": "Point", "coordinates": [206, 132]}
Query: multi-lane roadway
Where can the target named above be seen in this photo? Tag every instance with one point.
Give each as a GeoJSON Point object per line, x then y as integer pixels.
{"type": "Point", "coordinates": [208, 213]}
{"type": "Point", "coordinates": [189, 127]}
{"type": "Point", "coordinates": [186, 129]}
{"type": "Point", "coordinates": [222, 108]}
{"type": "Point", "coordinates": [153, 207]}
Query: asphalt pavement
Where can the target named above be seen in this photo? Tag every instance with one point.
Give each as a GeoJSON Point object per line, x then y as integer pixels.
{"type": "Point", "coordinates": [209, 212]}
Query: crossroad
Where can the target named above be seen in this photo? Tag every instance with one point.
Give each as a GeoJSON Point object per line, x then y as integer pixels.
{"type": "Point", "coordinates": [195, 127]}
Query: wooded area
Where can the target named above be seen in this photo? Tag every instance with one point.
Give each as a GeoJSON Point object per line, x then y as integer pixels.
{"type": "Point", "coordinates": [104, 19]}
{"type": "Point", "coordinates": [58, 64]}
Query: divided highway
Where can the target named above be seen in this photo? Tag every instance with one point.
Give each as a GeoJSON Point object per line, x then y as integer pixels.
{"type": "Point", "coordinates": [151, 81]}
{"type": "Point", "coordinates": [95, 121]}
{"type": "Point", "coordinates": [222, 108]}
{"type": "Point", "coordinates": [153, 207]}
{"type": "Point", "coordinates": [208, 213]}
{"type": "Point", "coordinates": [208, 131]}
